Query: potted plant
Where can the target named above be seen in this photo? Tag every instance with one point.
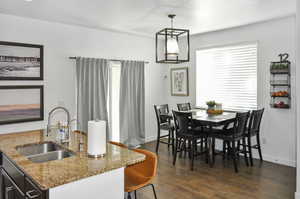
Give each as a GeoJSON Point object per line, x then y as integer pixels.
{"type": "Point", "coordinates": [211, 105]}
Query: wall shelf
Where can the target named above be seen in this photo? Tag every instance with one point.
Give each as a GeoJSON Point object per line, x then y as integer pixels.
{"type": "Point", "coordinates": [280, 83]}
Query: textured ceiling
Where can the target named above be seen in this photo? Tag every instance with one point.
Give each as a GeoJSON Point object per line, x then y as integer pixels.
{"type": "Point", "coordinates": [145, 17]}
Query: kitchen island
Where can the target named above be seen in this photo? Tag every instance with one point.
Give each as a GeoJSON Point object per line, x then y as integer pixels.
{"type": "Point", "coordinates": [74, 177]}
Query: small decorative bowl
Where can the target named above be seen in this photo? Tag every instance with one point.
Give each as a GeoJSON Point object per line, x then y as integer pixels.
{"type": "Point", "coordinates": [214, 112]}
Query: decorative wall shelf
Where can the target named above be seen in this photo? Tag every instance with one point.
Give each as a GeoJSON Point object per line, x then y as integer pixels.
{"type": "Point", "coordinates": [281, 83]}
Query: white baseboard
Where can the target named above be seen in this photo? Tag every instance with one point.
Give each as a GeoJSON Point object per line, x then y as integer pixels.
{"type": "Point", "coordinates": [297, 195]}
{"type": "Point", "coordinates": [266, 157]}
{"type": "Point", "coordinates": [153, 138]}
{"type": "Point", "coordinates": [150, 139]}
{"type": "Point", "coordinates": [277, 160]}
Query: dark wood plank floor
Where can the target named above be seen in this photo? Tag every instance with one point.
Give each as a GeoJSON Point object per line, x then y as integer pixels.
{"type": "Point", "coordinates": [263, 181]}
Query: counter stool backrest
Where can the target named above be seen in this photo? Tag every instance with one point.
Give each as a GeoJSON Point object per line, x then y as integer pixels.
{"type": "Point", "coordinates": [255, 121]}
{"type": "Point", "coordinates": [183, 121]}
{"type": "Point", "coordinates": [160, 110]}
{"type": "Point", "coordinates": [184, 106]}
{"type": "Point", "coordinates": [240, 124]}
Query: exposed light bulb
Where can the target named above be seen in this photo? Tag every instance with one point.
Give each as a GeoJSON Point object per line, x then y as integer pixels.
{"type": "Point", "coordinates": [28, 0]}
{"type": "Point", "coordinates": [172, 47]}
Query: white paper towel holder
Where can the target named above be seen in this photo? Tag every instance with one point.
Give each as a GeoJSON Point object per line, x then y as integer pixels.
{"type": "Point", "coordinates": [96, 156]}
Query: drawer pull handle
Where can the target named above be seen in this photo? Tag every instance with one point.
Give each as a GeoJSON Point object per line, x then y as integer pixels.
{"type": "Point", "coordinates": [7, 190]}
{"type": "Point", "coordinates": [32, 194]}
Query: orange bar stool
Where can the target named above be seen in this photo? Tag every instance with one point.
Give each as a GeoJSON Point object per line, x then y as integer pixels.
{"type": "Point", "coordinates": [140, 175]}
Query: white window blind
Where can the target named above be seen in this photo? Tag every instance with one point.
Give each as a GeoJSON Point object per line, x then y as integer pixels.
{"type": "Point", "coordinates": [227, 75]}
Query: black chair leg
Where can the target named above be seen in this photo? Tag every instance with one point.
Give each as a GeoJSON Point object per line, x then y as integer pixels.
{"type": "Point", "coordinates": [201, 145]}
{"type": "Point", "coordinates": [154, 191]}
{"type": "Point", "coordinates": [234, 156]}
{"type": "Point", "coordinates": [192, 143]}
{"type": "Point", "coordinates": [259, 147]}
{"type": "Point", "coordinates": [135, 195]}
{"type": "Point", "coordinates": [245, 151]}
{"type": "Point", "coordinates": [224, 149]}
{"type": "Point", "coordinates": [238, 149]}
{"type": "Point", "coordinates": [250, 150]}
{"type": "Point", "coordinates": [229, 150]}
{"type": "Point", "coordinates": [206, 150]}
{"type": "Point", "coordinates": [213, 149]}
{"type": "Point", "coordinates": [173, 141]}
{"type": "Point", "coordinates": [158, 140]}
{"type": "Point", "coordinates": [177, 143]}
{"type": "Point", "coordinates": [169, 139]}
{"type": "Point", "coordinates": [129, 195]}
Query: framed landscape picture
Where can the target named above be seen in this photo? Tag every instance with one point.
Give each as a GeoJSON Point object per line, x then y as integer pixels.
{"type": "Point", "coordinates": [20, 61]}
{"type": "Point", "coordinates": [179, 82]}
{"type": "Point", "coordinates": [21, 104]}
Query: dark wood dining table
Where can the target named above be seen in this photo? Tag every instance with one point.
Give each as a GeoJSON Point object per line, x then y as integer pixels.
{"type": "Point", "coordinates": [201, 118]}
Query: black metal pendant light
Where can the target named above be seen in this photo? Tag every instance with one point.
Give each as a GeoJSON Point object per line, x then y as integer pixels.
{"type": "Point", "coordinates": [172, 45]}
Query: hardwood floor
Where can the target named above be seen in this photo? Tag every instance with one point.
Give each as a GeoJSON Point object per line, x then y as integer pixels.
{"type": "Point", "coordinates": [263, 181]}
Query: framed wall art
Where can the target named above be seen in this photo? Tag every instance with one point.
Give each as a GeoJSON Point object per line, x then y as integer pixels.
{"type": "Point", "coordinates": [19, 61]}
{"type": "Point", "coordinates": [179, 81]}
{"type": "Point", "coordinates": [21, 104]}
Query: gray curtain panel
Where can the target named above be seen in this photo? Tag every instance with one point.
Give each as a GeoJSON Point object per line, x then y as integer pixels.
{"type": "Point", "coordinates": [92, 88]}
{"type": "Point", "coordinates": [132, 103]}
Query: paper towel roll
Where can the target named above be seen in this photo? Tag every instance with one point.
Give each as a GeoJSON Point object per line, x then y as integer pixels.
{"type": "Point", "coordinates": [97, 138]}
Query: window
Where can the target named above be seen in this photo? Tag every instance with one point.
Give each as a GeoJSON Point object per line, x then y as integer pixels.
{"type": "Point", "coordinates": [114, 100]}
{"type": "Point", "coordinates": [227, 75]}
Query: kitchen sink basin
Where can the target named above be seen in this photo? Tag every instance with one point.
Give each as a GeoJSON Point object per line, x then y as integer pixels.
{"type": "Point", "coordinates": [54, 155]}
{"type": "Point", "coordinates": [44, 152]}
{"type": "Point", "coordinates": [34, 149]}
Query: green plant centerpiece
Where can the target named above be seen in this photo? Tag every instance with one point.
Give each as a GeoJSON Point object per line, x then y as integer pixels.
{"type": "Point", "coordinates": [211, 105]}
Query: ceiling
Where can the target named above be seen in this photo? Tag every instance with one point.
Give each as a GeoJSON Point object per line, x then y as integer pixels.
{"type": "Point", "coordinates": [145, 17]}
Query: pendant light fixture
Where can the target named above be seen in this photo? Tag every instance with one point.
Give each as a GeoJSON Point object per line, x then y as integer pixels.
{"type": "Point", "coordinates": [172, 44]}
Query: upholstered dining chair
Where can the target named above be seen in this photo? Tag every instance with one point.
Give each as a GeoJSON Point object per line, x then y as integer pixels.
{"type": "Point", "coordinates": [164, 123]}
{"type": "Point", "coordinates": [233, 136]}
{"type": "Point", "coordinates": [140, 175]}
{"type": "Point", "coordinates": [184, 106]}
{"type": "Point", "coordinates": [187, 107]}
{"type": "Point", "coordinates": [186, 132]}
{"type": "Point", "coordinates": [254, 131]}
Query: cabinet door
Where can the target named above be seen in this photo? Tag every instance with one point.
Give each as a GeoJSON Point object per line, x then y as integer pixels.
{"type": "Point", "coordinates": [31, 191]}
{"type": "Point", "coordinates": [11, 191]}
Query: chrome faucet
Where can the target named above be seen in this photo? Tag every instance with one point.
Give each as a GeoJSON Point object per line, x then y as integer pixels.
{"type": "Point", "coordinates": [68, 119]}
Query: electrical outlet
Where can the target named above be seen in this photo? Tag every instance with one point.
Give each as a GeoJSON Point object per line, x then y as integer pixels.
{"type": "Point", "coordinates": [264, 141]}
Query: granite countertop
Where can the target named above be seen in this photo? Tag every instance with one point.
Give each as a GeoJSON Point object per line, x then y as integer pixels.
{"type": "Point", "coordinates": [58, 172]}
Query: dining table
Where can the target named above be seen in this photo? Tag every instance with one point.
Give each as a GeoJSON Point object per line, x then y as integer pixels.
{"type": "Point", "coordinates": [202, 118]}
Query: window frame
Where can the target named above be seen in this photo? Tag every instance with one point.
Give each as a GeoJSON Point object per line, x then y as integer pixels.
{"type": "Point", "coordinates": [231, 44]}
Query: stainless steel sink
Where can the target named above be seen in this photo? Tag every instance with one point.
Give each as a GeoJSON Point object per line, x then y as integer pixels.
{"type": "Point", "coordinates": [44, 152]}
{"type": "Point", "coordinates": [54, 155]}
{"type": "Point", "coordinates": [34, 149]}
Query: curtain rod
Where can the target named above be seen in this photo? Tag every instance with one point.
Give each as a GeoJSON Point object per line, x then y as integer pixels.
{"type": "Point", "coordinates": [146, 62]}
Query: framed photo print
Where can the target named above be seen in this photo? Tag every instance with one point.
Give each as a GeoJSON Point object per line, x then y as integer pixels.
{"type": "Point", "coordinates": [21, 104]}
{"type": "Point", "coordinates": [20, 61]}
{"type": "Point", "coordinates": [179, 82]}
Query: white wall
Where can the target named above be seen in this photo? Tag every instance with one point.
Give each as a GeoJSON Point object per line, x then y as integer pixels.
{"type": "Point", "coordinates": [273, 37]}
{"type": "Point", "coordinates": [297, 195]}
{"type": "Point", "coordinates": [61, 41]}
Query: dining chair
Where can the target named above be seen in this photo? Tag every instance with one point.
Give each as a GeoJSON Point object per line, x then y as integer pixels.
{"type": "Point", "coordinates": [184, 106]}
{"type": "Point", "coordinates": [140, 175]}
{"type": "Point", "coordinates": [187, 107]}
{"type": "Point", "coordinates": [186, 132]}
{"type": "Point", "coordinates": [164, 123]}
{"type": "Point", "coordinates": [233, 136]}
{"type": "Point", "coordinates": [254, 131]}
